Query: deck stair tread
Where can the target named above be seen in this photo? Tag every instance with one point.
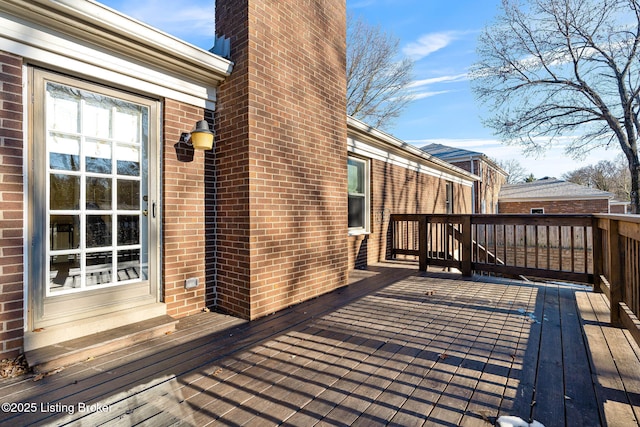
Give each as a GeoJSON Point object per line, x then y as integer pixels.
{"type": "Point", "coordinates": [66, 353]}
{"type": "Point", "coordinates": [615, 362]}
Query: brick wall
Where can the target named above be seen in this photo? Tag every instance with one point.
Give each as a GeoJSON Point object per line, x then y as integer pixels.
{"type": "Point", "coordinates": [556, 207]}
{"type": "Point", "coordinates": [396, 190]}
{"type": "Point", "coordinates": [184, 215]}
{"type": "Point", "coordinates": [281, 202]}
{"type": "Point", "coordinates": [11, 206]}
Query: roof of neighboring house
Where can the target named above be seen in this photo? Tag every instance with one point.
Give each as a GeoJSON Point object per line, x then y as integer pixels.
{"type": "Point", "coordinates": [550, 189]}
{"type": "Point", "coordinates": [453, 154]}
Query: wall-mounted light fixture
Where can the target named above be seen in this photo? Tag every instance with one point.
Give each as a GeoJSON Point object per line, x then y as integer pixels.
{"type": "Point", "coordinates": [201, 137]}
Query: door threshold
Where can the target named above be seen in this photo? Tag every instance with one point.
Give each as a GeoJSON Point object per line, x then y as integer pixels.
{"type": "Point", "coordinates": [56, 334]}
{"type": "Point", "coordinates": [49, 358]}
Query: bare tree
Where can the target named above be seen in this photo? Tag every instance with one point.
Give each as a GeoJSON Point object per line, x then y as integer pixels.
{"type": "Point", "coordinates": [516, 173]}
{"type": "Point", "coordinates": [564, 71]}
{"type": "Point", "coordinates": [377, 81]}
{"type": "Point", "coordinates": [606, 175]}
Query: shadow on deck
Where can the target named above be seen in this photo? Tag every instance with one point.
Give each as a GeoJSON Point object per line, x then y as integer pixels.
{"type": "Point", "coordinates": [395, 347]}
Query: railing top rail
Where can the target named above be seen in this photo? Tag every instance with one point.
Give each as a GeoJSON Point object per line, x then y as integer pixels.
{"type": "Point", "coordinates": [626, 218]}
{"type": "Point", "coordinates": [518, 219]}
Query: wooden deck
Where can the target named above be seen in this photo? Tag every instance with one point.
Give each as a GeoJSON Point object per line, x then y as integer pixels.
{"type": "Point", "coordinates": [395, 347]}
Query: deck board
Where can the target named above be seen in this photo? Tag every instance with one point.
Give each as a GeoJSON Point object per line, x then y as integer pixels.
{"type": "Point", "coordinates": [396, 347]}
{"type": "Point", "coordinates": [580, 403]}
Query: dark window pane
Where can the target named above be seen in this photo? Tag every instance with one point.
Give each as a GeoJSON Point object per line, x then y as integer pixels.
{"type": "Point", "coordinates": [98, 193]}
{"type": "Point", "coordinates": [128, 230]}
{"type": "Point", "coordinates": [64, 232]}
{"type": "Point", "coordinates": [128, 168]}
{"type": "Point", "coordinates": [98, 165]}
{"type": "Point", "coordinates": [98, 231]}
{"type": "Point", "coordinates": [128, 265]}
{"type": "Point", "coordinates": [128, 194]}
{"type": "Point", "coordinates": [356, 211]}
{"type": "Point", "coordinates": [67, 162]}
{"type": "Point", "coordinates": [65, 192]}
{"type": "Point", "coordinates": [99, 268]}
{"type": "Point", "coordinates": [64, 272]}
{"type": "Point", "coordinates": [128, 157]}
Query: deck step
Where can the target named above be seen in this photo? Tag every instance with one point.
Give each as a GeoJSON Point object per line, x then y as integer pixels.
{"type": "Point", "coordinates": [615, 361]}
{"type": "Point", "coordinates": [66, 353]}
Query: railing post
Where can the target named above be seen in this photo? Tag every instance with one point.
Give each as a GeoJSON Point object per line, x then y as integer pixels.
{"type": "Point", "coordinates": [598, 254]}
{"type": "Point", "coordinates": [615, 273]}
{"type": "Point", "coordinates": [466, 245]}
{"type": "Point", "coordinates": [422, 243]}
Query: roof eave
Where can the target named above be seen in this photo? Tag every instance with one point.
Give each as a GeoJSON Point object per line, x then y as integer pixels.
{"type": "Point", "coordinates": [376, 136]}
{"type": "Point", "coordinates": [95, 23]}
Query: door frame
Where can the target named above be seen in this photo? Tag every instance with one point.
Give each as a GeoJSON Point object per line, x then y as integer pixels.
{"type": "Point", "coordinates": [102, 299]}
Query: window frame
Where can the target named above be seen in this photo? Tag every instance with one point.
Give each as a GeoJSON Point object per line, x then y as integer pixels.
{"type": "Point", "coordinates": [365, 194]}
{"type": "Point", "coordinates": [449, 197]}
{"type": "Point", "coordinates": [531, 211]}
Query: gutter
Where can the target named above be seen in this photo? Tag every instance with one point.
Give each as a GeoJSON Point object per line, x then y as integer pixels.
{"type": "Point", "coordinates": [385, 140]}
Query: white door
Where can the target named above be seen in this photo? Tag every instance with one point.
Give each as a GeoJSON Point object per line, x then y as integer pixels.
{"type": "Point", "coordinates": [94, 200]}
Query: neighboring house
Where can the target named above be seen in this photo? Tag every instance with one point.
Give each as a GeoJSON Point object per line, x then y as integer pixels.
{"type": "Point", "coordinates": [492, 176]}
{"type": "Point", "coordinates": [109, 216]}
{"type": "Point", "coordinates": [553, 196]}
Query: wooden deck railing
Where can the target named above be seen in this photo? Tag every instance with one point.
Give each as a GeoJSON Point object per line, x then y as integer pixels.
{"type": "Point", "coordinates": [603, 250]}
{"type": "Point", "coordinates": [618, 269]}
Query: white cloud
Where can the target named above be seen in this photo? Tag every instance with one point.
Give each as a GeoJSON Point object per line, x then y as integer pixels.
{"type": "Point", "coordinates": [428, 43]}
{"type": "Point", "coordinates": [442, 79]}
{"type": "Point", "coordinates": [420, 95]}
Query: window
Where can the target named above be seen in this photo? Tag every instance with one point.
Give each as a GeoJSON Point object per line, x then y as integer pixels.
{"type": "Point", "coordinates": [537, 211]}
{"type": "Point", "coordinates": [449, 197]}
{"type": "Point", "coordinates": [358, 194]}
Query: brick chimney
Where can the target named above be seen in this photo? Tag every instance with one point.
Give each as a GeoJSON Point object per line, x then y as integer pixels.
{"type": "Point", "coordinates": [281, 154]}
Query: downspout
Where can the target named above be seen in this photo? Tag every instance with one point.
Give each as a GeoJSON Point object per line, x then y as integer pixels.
{"type": "Point", "coordinates": [476, 185]}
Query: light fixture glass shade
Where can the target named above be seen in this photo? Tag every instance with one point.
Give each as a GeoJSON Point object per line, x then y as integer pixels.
{"type": "Point", "coordinates": [201, 136]}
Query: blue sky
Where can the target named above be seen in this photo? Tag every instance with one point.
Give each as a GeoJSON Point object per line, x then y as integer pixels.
{"type": "Point", "coordinates": [441, 38]}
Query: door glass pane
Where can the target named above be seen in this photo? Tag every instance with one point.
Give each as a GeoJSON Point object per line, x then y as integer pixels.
{"type": "Point", "coordinates": [64, 272]}
{"type": "Point", "coordinates": [98, 156]}
{"type": "Point", "coordinates": [99, 269]}
{"type": "Point", "coordinates": [64, 232]}
{"type": "Point", "coordinates": [128, 230]}
{"type": "Point", "coordinates": [64, 192]}
{"type": "Point", "coordinates": [98, 193]}
{"type": "Point", "coordinates": [64, 153]}
{"type": "Point", "coordinates": [96, 116]}
{"type": "Point", "coordinates": [128, 158]}
{"type": "Point", "coordinates": [126, 125]}
{"type": "Point", "coordinates": [98, 231]}
{"type": "Point", "coordinates": [128, 194]}
{"type": "Point", "coordinates": [63, 108]}
{"type": "Point", "coordinates": [129, 265]}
